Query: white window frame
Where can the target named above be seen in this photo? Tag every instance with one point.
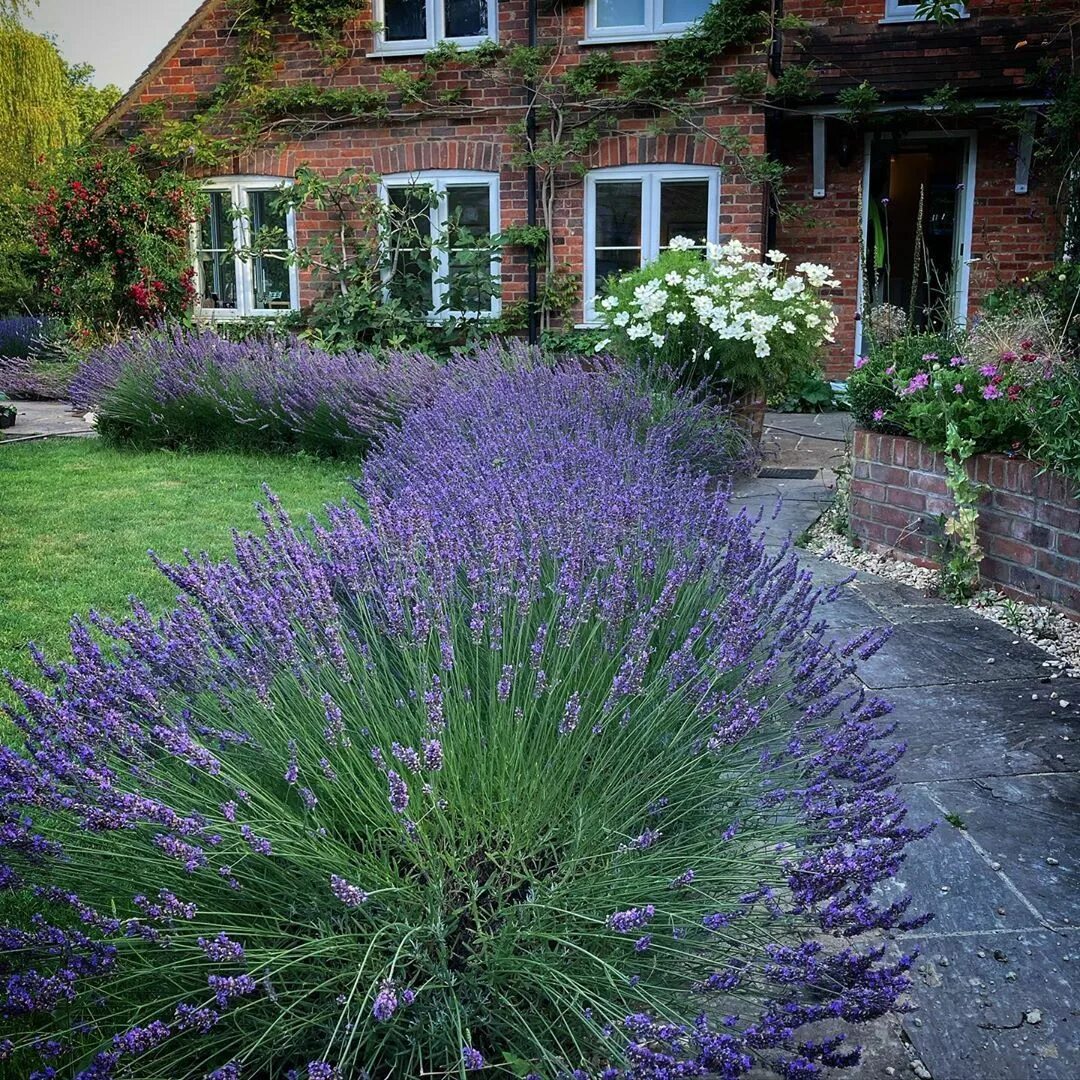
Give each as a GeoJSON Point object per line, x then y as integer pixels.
{"type": "Point", "coordinates": [903, 11]}
{"type": "Point", "coordinates": [440, 180]}
{"type": "Point", "coordinates": [436, 30]}
{"type": "Point", "coordinates": [651, 177]}
{"type": "Point", "coordinates": [240, 188]}
{"type": "Point", "coordinates": [652, 29]}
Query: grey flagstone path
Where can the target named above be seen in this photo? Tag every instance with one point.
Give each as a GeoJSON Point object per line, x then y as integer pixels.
{"type": "Point", "coordinates": [996, 986]}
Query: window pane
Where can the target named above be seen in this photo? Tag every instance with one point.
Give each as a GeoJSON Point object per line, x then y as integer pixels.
{"type": "Point", "coordinates": [469, 208]}
{"type": "Point", "coordinates": [217, 266]}
{"type": "Point", "coordinates": [620, 13]}
{"type": "Point", "coordinates": [610, 262]}
{"type": "Point", "coordinates": [405, 20]}
{"type": "Point", "coordinates": [684, 210]}
{"type": "Point", "coordinates": [618, 214]}
{"type": "Point", "coordinates": [217, 272]}
{"type": "Point", "coordinates": [266, 215]}
{"type": "Point", "coordinates": [684, 11]}
{"type": "Point", "coordinates": [216, 230]}
{"type": "Point", "coordinates": [466, 18]}
{"type": "Point", "coordinates": [409, 254]}
{"type": "Point", "coordinates": [273, 286]}
{"type": "Point", "coordinates": [468, 211]}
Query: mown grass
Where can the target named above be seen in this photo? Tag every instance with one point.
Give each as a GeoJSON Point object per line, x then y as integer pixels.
{"type": "Point", "coordinates": [77, 518]}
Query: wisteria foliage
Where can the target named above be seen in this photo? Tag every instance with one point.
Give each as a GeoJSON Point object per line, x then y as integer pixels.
{"type": "Point", "coordinates": [539, 764]}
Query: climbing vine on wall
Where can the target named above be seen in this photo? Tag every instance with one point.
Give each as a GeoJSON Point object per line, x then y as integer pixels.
{"type": "Point", "coordinates": [572, 105]}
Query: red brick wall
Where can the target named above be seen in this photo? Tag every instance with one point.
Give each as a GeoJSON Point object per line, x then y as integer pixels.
{"type": "Point", "coordinates": [476, 136]}
{"type": "Point", "coordinates": [1029, 521]}
{"type": "Point", "coordinates": [826, 230]}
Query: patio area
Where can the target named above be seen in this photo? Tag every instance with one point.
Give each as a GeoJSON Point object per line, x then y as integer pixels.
{"type": "Point", "coordinates": [993, 734]}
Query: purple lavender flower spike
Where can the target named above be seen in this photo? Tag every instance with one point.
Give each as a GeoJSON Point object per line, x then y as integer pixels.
{"type": "Point", "coordinates": [472, 1059]}
{"type": "Point", "coordinates": [399, 792]}
{"type": "Point", "coordinates": [350, 895]}
{"type": "Point", "coordinates": [386, 1002]}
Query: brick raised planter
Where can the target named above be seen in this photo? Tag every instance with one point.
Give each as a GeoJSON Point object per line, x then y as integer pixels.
{"type": "Point", "coordinates": [1029, 521]}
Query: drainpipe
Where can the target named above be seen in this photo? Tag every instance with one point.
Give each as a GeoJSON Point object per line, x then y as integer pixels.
{"type": "Point", "coordinates": [530, 186]}
{"type": "Point", "coordinates": [773, 119]}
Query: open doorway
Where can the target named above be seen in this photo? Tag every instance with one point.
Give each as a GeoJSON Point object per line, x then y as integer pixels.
{"type": "Point", "coordinates": [917, 213]}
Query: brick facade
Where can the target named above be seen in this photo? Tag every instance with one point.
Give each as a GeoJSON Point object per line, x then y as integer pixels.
{"type": "Point", "coordinates": [476, 136]}
{"type": "Point", "coordinates": [1029, 520]}
{"type": "Point", "coordinates": [1013, 234]}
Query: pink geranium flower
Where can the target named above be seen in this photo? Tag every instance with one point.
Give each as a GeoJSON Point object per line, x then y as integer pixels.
{"type": "Point", "coordinates": [917, 382]}
{"type": "Point", "coordinates": [879, 415]}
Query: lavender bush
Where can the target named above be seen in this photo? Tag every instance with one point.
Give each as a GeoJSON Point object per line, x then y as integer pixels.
{"type": "Point", "coordinates": [172, 387]}
{"type": "Point", "coordinates": [29, 368]}
{"type": "Point", "coordinates": [540, 765]}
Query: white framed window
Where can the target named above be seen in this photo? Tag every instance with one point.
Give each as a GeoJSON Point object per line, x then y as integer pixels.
{"type": "Point", "coordinates": [633, 212]}
{"type": "Point", "coordinates": [228, 284]}
{"type": "Point", "coordinates": [903, 11]}
{"type": "Point", "coordinates": [636, 20]}
{"type": "Point", "coordinates": [411, 26]}
{"type": "Point", "coordinates": [442, 214]}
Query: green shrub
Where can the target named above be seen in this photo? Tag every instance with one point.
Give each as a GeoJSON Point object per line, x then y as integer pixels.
{"type": "Point", "coordinates": [920, 383]}
{"type": "Point", "coordinates": [1055, 291]}
{"type": "Point", "coordinates": [809, 394]}
{"type": "Point", "coordinates": [1056, 432]}
{"type": "Point", "coordinates": [720, 319]}
{"type": "Point", "coordinates": [114, 242]}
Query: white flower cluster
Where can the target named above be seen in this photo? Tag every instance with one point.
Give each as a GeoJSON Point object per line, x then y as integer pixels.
{"type": "Point", "coordinates": [730, 298]}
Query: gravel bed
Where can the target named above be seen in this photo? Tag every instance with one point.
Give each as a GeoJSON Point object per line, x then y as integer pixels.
{"type": "Point", "coordinates": [1050, 630]}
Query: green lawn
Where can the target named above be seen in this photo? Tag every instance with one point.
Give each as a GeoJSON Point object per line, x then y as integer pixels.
{"type": "Point", "coordinates": [77, 518]}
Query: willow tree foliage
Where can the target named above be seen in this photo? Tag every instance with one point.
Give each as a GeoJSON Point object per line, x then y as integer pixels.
{"type": "Point", "coordinates": [36, 111]}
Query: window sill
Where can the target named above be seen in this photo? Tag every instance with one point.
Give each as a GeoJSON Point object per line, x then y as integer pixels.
{"type": "Point", "coordinates": [894, 20]}
{"type": "Point", "coordinates": [232, 315]}
{"type": "Point", "coordinates": [423, 48]}
{"type": "Point", "coordinates": [462, 316]}
{"type": "Point", "coordinates": [632, 39]}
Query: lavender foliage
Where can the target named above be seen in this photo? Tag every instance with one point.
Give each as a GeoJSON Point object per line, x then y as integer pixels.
{"type": "Point", "coordinates": [589, 787]}
{"type": "Point", "coordinates": [177, 386]}
{"type": "Point", "coordinates": [24, 373]}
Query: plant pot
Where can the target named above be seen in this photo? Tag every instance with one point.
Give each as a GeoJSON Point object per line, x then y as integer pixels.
{"type": "Point", "coordinates": [749, 413]}
{"type": "Point", "coordinates": [7, 415]}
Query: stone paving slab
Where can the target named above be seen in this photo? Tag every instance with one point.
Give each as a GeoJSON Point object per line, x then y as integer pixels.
{"type": "Point", "coordinates": [36, 419]}
{"type": "Point", "coordinates": [950, 876]}
{"type": "Point", "coordinates": [989, 730]}
{"type": "Point", "coordinates": [806, 440]}
{"type": "Point", "coordinates": [970, 1023]}
{"type": "Point", "coordinates": [1030, 826]}
{"type": "Point", "coordinates": [938, 653]}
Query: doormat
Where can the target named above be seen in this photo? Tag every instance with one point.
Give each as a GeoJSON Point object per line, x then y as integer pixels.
{"type": "Point", "coordinates": [788, 474]}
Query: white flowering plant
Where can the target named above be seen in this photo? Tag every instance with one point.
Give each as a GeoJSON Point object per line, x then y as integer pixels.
{"type": "Point", "coordinates": [716, 317]}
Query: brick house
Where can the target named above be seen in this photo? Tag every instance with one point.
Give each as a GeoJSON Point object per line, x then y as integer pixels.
{"type": "Point", "coordinates": [637, 183]}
